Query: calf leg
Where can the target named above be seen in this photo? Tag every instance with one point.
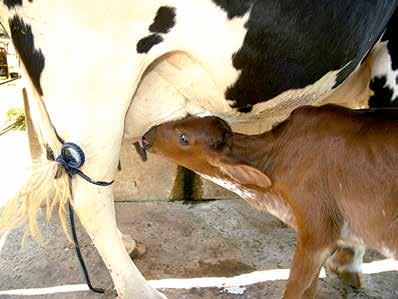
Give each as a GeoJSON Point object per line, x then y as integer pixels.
{"type": "Point", "coordinates": [310, 293]}
{"type": "Point", "coordinates": [305, 269]}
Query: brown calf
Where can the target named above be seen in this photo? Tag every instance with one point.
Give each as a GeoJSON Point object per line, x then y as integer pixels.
{"type": "Point", "coordinates": [329, 172]}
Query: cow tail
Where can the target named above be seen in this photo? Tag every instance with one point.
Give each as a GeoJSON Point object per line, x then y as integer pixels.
{"type": "Point", "coordinates": [48, 185]}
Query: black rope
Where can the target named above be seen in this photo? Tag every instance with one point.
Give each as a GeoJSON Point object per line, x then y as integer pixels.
{"type": "Point", "coordinates": [79, 253]}
{"type": "Point", "coordinates": [72, 158]}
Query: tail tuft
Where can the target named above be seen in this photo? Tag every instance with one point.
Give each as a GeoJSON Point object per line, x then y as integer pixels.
{"type": "Point", "coordinates": [49, 186]}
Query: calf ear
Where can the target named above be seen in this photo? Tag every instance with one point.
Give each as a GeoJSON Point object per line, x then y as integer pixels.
{"type": "Point", "coordinates": [246, 175]}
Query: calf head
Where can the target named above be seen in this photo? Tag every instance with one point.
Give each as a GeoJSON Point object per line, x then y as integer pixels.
{"type": "Point", "coordinates": [204, 145]}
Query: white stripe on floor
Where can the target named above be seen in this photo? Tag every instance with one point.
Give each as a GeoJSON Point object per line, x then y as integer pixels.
{"type": "Point", "coordinates": [210, 282]}
{"type": "Point", "coordinates": [386, 265]}
{"type": "Point", "coordinates": [224, 282]}
{"type": "Point", "coordinates": [47, 291]}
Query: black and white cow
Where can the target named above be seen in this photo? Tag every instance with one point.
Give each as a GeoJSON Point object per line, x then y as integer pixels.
{"type": "Point", "coordinates": [98, 70]}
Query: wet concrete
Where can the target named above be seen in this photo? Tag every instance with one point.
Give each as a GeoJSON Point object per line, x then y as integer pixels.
{"type": "Point", "coordinates": [210, 239]}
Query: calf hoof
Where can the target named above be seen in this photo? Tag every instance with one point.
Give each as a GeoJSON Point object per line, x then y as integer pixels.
{"type": "Point", "coordinates": [346, 264]}
{"type": "Point", "coordinates": [353, 279]}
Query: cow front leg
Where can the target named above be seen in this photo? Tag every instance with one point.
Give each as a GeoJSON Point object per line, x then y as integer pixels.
{"type": "Point", "coordinates": [95, 208]}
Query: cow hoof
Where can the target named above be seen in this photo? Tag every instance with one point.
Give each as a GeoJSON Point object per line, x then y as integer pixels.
{"type": "Point", "coordinates": [110, 294]}
{"type": "Point", "coordinates": [138, 251]}
{"type": "Point", "coordinates": [134, 249]}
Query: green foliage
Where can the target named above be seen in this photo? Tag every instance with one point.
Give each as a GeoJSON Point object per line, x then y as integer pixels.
{"type": "Point", "coordinates": [17, 116]}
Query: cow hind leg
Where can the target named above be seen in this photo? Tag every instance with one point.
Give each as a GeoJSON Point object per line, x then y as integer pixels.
{"type": "Point", "coordinates": [99, 135]}
{"type": "Point", "coordinates": [384, 76]}
{"type": "Point", "coordinates": [346, 262]}
{"type": "Point", "coordinates": [95, 207]}
{"type": "Point", "coordinates": [95, 204]}
{"type": "Point", "coordinates": [96, 212]}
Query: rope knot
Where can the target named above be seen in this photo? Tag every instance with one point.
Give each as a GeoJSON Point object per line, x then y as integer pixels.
{"type": "Point", "coordinates": [72, 158]}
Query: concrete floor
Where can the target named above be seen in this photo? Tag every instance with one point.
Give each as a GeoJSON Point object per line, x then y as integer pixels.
{"type": "Point", "coordinates": [209, 239]}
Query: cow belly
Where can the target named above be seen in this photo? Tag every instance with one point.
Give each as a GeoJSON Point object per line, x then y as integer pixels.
{"type": "Point", "coordinates": [176, 85]}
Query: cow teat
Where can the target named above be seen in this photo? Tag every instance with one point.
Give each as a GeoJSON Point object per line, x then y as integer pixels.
{"type": "Point", "coordinates": [148, 138]}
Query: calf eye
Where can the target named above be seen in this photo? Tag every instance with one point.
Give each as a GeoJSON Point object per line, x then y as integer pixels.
{"type": "Point", "coordinates": [184, 139]}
